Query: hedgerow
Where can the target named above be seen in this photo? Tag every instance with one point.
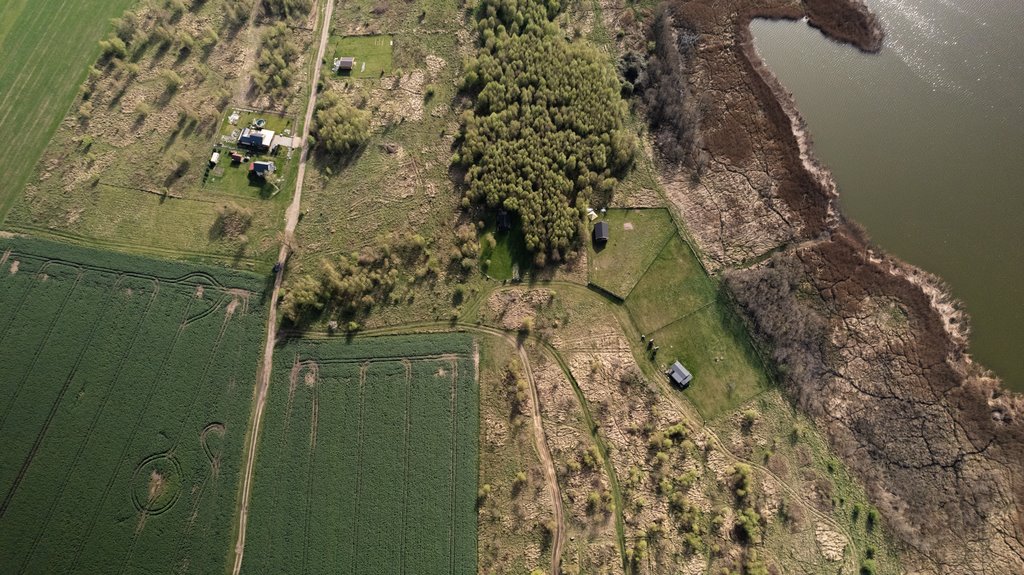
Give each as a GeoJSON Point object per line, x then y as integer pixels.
{"type": "Point", "coordinates": [547, 132]}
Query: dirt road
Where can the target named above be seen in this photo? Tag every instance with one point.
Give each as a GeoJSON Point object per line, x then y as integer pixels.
{"type": "Point", "coordinates": [547, 462]}
{"type": "Point", "coordinates": [291, 220]}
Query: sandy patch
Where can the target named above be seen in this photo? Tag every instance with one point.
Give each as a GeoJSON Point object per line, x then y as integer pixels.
{"type": "Point", "coordinates": [14, 267]}
{"type": "Point", "coordinates": [627, 226]}
{"type": "Point", "coordinates": [199, 292]}
{"type": "Point", "coordinates": [232, 306]}
{"type": "Point", "coordinates": [157, 485]}
{"type": "Point", "coordinates": [830, 543]}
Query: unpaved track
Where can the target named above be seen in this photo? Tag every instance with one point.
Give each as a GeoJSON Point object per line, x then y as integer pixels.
{"type": "Point", "coordinates": [541, 444]}
{"type": "Point", "coordinates": [291, 219]}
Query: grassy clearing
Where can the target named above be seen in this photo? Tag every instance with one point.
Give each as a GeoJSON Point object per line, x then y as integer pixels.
{"type": "Point", "coordinates": [368, 459]}
{"type": "Point", "coordinates": [674, 286]}
{"type": "Point", "coordinates": [635, 239]}
{"type": "Point", "coordinates": [132, 153]}
{"type": "Point", "coordinates": [506, 450]}
{"type": "Point", "coordinates": [47, 50]}
{"type": "Point", "coordinates": [499, 260]}
{"type": "Point", "coordinates": [125, 409]}
{"type": "Point", "coordinates": [372, 54]}
{"type": "Point", "coordinates": [713, 344]}
{"type": "Point", "coordinates": [770, 432]}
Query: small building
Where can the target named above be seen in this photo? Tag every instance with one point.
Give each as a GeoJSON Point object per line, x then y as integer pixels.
{"type": "Point", "coordinates": [504, 220]}
{"type": "Point", "coordinates": [601, 232]}
{"type": "Point", "coordinates": [344, 64]}
{"type": "Point", "coordinates": [256, 139]}
{"type": "Point", "coordinates": [236, 158]}
{"type": "Point", "coordinates": [679, 375]}
{"type": "Point", "coordinates": [214, 159]}
{"type": "Point", "coordinates": [261, 169]}
{"type": "Point", "coordinates": [234, 117]}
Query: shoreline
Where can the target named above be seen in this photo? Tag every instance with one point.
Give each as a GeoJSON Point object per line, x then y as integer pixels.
{"type": "Point", "coordinates": [949, 309]}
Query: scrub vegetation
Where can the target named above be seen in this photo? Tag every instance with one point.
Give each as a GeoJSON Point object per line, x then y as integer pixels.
{"type": "Point", "coordinates": [127, 168]}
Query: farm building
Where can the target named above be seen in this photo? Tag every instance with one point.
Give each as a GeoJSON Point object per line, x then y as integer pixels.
{"type": "Point", "coordinates": [601, 232]}
{"type": "Point", "coordinates": [256, 139]}
{"type": "Point", "coordinates": [261, 169]}
{"type": "Point", "coordinates": [344, 64]}
{"type": "Point", "coordinates": [214, 159]}
{"type": "Point", "coordinates": [679, 375]}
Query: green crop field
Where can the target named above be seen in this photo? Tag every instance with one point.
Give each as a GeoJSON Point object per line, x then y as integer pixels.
{"type": "Point", "coordinates": [635, 239]}
{"type": "Point", "coordinates": [47, 47]}
{"type": "Point", "coordinates": [127, 385]}
{"type": "Point", "coordinates": [367, 461]}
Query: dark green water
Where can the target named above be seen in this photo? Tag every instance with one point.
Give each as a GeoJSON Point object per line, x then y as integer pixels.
{"type": "Point", "coordinates": [926, 143]}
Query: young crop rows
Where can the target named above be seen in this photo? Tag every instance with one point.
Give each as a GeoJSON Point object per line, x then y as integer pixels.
{"type": "Point", "coordinates": [368, 459]}
{"type": "Point", "coordinates": [125, 387]}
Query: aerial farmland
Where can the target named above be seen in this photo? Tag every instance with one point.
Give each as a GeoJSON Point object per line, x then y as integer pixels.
{"type": "Point", "coordinates": [370, 287]}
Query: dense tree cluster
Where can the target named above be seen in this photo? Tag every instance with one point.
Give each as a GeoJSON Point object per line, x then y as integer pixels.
{"type": "Point", "coordinates": [547, 131]}
{"type": "Point", "coordinates": [340, 127]}
{"type": "Point", "coordinates": [351, 285]}
{"type": "Point", "coordinates": [287, 8]}
{"type": "Point", "coordinates": [274, 72]}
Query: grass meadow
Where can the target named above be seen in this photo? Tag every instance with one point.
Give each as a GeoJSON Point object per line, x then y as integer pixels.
{"type": "Point", "coordinates": [372, 54]}
{"type": "Point", "coordinates": [635, 238]}
{"type": "Point", "coordinates": [368, 458]}
{"type": "Point", "coordinates": [47, 47]}
{"type": "Point", "coordinates": [126, 168]}
{"type": "Point", "coordinates": [669, 297]}
{"type": "Point", "coordinates": [127, 390]}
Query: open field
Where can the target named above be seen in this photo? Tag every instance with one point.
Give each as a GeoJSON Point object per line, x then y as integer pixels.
{"type": "Point", "coordinates": [47, 49]}
{"type": "Point", "coordinates": [635, 239]}
{"type": "Point", "coordinates": [678, 306]}
{"type": "Point", "coordinates": [674, 286]}
{"type": "Point", "coordinates": [368, 459]}
{"type": "Point", "coordinates": [126, 168]}
{"type": "Point", "coordinates": [128, 387]}
{"type": "Point", "coordinates": [372, 54]}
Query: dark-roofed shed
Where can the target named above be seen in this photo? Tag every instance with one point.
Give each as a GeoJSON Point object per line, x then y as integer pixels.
{"type": "Point", "coordinates": [601, 232]}
{"type": "Point", "coordinates": [679, 375]}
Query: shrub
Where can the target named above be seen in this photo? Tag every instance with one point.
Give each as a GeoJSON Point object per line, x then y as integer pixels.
{"type": "Point", "coordinates": [277, 53]}
{"type": "Point", "coordinates": [113, 47]}
{"type": "Point", "coordinates": [232, 221]}
{"type": "Point", "coordinates": [340, 128]}
{"type": "Point", "coordinates": [287, 8]}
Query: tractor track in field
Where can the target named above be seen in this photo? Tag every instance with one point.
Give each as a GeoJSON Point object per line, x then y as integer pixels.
{"type": "Point", "coordinates": [539, 437]}
{"type": "Point", "coordinates": [92, 426]}
{"type": "Point", "coordinates": [41, 434]}
{"type": "Point", "coordinates": [291, 220]}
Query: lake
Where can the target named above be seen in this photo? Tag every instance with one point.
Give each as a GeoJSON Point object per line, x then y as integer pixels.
{"type": "Point", "coordinates": [926, 144]}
